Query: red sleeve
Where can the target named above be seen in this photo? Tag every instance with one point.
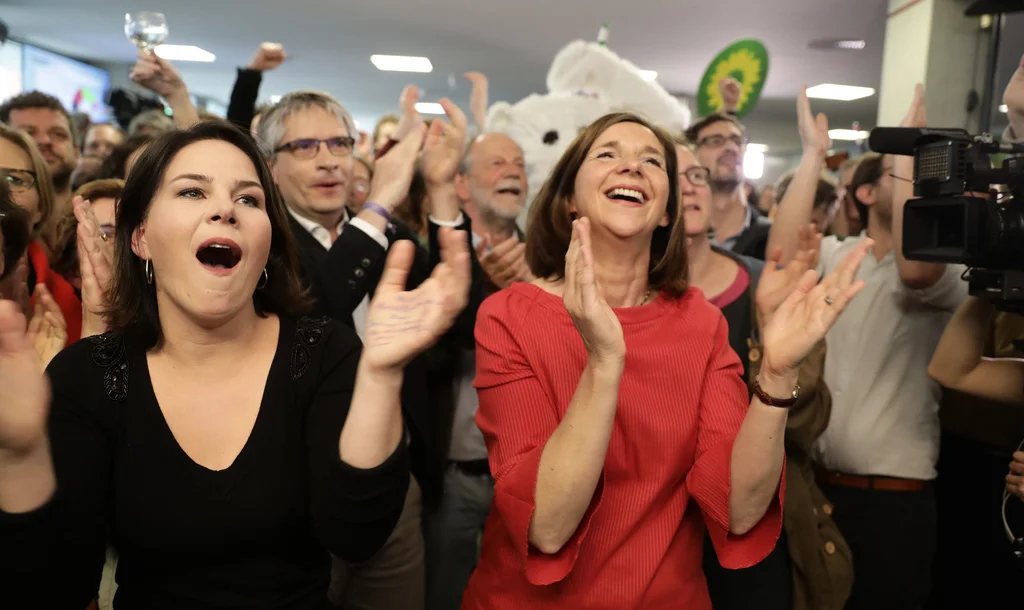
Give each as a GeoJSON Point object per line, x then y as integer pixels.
{"type": "Point", "coordinates": [517, 418]}
{"type": "Point", "coordinates": [723, 405]}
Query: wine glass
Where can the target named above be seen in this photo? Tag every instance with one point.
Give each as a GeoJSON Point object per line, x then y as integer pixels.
{"type": "Point", "coordinates": [146, 30]}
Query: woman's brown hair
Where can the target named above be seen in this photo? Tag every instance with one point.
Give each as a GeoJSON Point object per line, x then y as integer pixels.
{"type": "Point", "coordinates": [132, 300]}
{"type": "Point", "coordinates": [550, 225]}
{"type": "Point", "coordinates": [46, 228]}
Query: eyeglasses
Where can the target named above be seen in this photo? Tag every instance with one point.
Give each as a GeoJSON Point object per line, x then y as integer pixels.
{"type": "Point", "coordinates": [697, 175]}
{"type": "Point", "coordinates": [718, 141]}
{"type": "Point", "coordinates": [307, 148]}
{"type": "Point", "coordinates": [19, 180]}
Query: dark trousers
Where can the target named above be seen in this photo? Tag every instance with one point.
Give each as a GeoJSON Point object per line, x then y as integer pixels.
{"type": "Point", "coordinates": [767, 585]}
{"type": "Point", "coordinates": [974, 566]}
{"type": "Point", "coordinates": [892, 537]}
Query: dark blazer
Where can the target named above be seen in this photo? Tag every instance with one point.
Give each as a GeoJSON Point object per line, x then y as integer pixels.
{"type": "Point", "coordinates": [338, 279]}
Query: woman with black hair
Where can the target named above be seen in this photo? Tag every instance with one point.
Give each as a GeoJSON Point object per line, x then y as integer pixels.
{"type": "Point", "coordinates": [223, 442]}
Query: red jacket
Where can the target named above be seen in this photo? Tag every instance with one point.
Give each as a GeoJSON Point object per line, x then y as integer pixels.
{"type": "Point", "coordinates": [63, 292]}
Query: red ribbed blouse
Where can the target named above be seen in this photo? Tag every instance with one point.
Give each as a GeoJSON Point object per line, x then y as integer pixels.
{"type": "Point", "coordinates": [681, 401]}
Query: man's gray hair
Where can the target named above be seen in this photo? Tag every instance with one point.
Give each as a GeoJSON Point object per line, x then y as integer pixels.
{"type": "Point", "coordinates": [156, 120]}
{"type": "Point", "coordinates": [270, 131]}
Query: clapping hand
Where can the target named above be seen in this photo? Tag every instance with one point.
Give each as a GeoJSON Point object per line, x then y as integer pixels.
{"type": "Point", "coordinates": [917, 115]}
{"type": "Point", "coordinates": [1013, 97]}
{"type": "Point", "coordinates": [505, 263]}
{"type": "Point", "coordinates": [157, 74]}
{"type": "Point", "coordinates": [392, 173]}
{"type": "Point", "coordinates": [48, 332]}
{"type": "Point", "coordinates": [96, 267]}
{"type": "Point", "coordinates": [444, 146]}
{"type": "Point", "coordinates": [401, 324]}
{"type": "Point", "coordinates": [813, 129]}
{"type": "Point", "coordinates": [24, 393]}
{"type": "Point", "coordinates": [593, 317]}
{"type": "Point", "coordinates": [806, 315]}
{"type": "Point", "coordinates": [478, 98]}
{"type": "Point", "coordinates": [409, 118]}
{"type": "Point", "coordinates": [15, 288]}
{"type": "Point", "coordinates": [778, 282]}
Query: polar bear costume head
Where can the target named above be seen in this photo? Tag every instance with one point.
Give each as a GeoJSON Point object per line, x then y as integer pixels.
{"type": "Point", "coordinates": [586, 81]}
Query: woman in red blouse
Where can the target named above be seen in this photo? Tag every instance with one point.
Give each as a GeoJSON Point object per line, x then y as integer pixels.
{"type": "Point", "coordinates": [609, 396]}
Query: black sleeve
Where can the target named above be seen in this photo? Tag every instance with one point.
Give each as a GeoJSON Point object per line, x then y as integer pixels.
{"type": "Point", "coordinates": [461, 334]}
{"type": "Point", "coordinates": [53, 557]}
{"type": "Point", "coordinates": [352, 266]}
{"type": "Point", "coordinates": [242, 106]}
{"type": "Point", "coordinates": [354, 510]}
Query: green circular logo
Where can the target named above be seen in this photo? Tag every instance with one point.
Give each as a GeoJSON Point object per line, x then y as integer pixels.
{"type": "Point", "coordinates": [745, 60]}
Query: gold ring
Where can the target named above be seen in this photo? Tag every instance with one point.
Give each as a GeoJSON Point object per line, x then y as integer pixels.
{"type": "Point", "coordinates": [828, 300]}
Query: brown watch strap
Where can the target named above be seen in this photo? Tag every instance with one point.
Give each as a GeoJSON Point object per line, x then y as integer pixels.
{"type": "Point", "coordinates": [771, 401]}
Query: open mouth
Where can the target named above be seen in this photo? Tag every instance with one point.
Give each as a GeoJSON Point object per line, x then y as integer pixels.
{"type": "Point", "coordinates": [219, 254]}
{"type": "Point", "coordinates": [627, 195]}
{"type": "Point", "coordinates": [510, 190]}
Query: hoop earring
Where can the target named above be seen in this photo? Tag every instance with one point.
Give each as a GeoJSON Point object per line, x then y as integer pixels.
{"type": "Point", "coordinates": [263, 280]}
{"type": "Point", "coordinates": [149, 273]}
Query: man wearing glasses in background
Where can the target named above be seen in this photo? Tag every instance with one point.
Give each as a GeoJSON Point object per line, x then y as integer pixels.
{"type": "Point", "coordinates": [308, 138]}
{"type": "Point", "coordinates": [720, 142]}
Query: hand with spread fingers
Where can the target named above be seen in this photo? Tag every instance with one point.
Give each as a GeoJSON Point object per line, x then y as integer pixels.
{"type": "Point", "coordinates": [813, 128]}
{"type": "Point", "coordinates": [24, 392]}
{"type": "Point", "coordinates": [505, 263]}
{"type": "Point", "coordinates": [778, 282]}
{"type": "Point", "coordinates": [403, 323]}
{"type": "Point", "coordinates": [593, 317]}
{"type": "Point", "coordinates": [444, 146]}
{"type": "Point", "coordinates": [806, 315]}
{"type": "Point", "coordinates": [96, 267]}
{"type": "Point", "coordinates": [1015, 480]}
{"type": "Point", "coordinates": [48, 332]}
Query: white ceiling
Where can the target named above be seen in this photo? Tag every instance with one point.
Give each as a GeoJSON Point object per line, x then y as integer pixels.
{"type": "Point", "coordinates": [330, 42]}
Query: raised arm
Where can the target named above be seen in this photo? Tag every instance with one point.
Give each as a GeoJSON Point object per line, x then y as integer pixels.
{"type": "Point", "coordinates": [51, 533]}
{"type": "Point", "coordinates": [959, 362]}
{"type": "Point", "coordinates": [794, 211]}
{"type": "Point", "coordinates": [159, 76]}
{"type": "Point", "coordinates": [913, 274]}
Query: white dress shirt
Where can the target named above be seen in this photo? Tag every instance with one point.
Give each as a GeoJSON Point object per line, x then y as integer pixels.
{"type": "Point", "coordinates": [323, 236]}
{"type": "Point", "coordinates": [884, 406]}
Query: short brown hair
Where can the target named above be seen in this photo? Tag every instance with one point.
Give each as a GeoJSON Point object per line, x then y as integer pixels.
{"type": "Point", "coordinates": [384, 120]}
{"type": "Point", "coordinates": [693, 133]}
{"type": "Point", "coordinates": [869, 171]}
{"type": "Point", "coordinates": [132, 300]}
{"type": "Point", "coordinates": [824, 195]}
{"type": "Point", "coordinates": [65, 260]}
{"type": "Point", "coordinates": [44, 186]}
{"type": "Point", "coordinates": [550, 226]}
{"type": "Point", "coordinates": [38, 99]}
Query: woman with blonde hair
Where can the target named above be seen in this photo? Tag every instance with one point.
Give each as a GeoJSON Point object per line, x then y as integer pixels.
{"type": "Point", "coordinates": [28, 177]}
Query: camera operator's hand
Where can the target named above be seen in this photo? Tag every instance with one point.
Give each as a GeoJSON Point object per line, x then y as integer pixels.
{"type": "Point", "coordinates": [813, 129]}
{"type": "Point", "coordinates": [916, 114]}
{"type": "Point", "coordinates": [1015, 480]}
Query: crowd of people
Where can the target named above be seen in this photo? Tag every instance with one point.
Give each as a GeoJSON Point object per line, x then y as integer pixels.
{"type": "Point", "coordinates": [271, 361]}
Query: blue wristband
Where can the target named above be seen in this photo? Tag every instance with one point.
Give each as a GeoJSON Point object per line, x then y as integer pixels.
{"type": "Point", "coordinates": [378, 209]}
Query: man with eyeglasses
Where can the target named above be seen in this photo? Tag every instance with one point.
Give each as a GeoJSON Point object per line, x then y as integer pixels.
{"type": "Point", "coordinates": [720, 143]}
{"type": "Point", "coordinates": [308, 136]}
{"type": "Point", "coordinates": [46, 120]}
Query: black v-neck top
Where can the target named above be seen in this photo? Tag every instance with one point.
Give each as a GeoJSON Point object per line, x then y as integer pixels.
{"type": "Point", "coordinates": [254, 535]}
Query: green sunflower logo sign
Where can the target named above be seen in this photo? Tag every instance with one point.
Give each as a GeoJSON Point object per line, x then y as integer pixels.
{"type": "Point", "coordinates": [746, 61]}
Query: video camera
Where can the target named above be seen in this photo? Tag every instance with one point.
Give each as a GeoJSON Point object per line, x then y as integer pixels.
{"type": "Point", "coordinates": [126, 105]}
{"type": "Point", "coordinates": [949, 223]}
